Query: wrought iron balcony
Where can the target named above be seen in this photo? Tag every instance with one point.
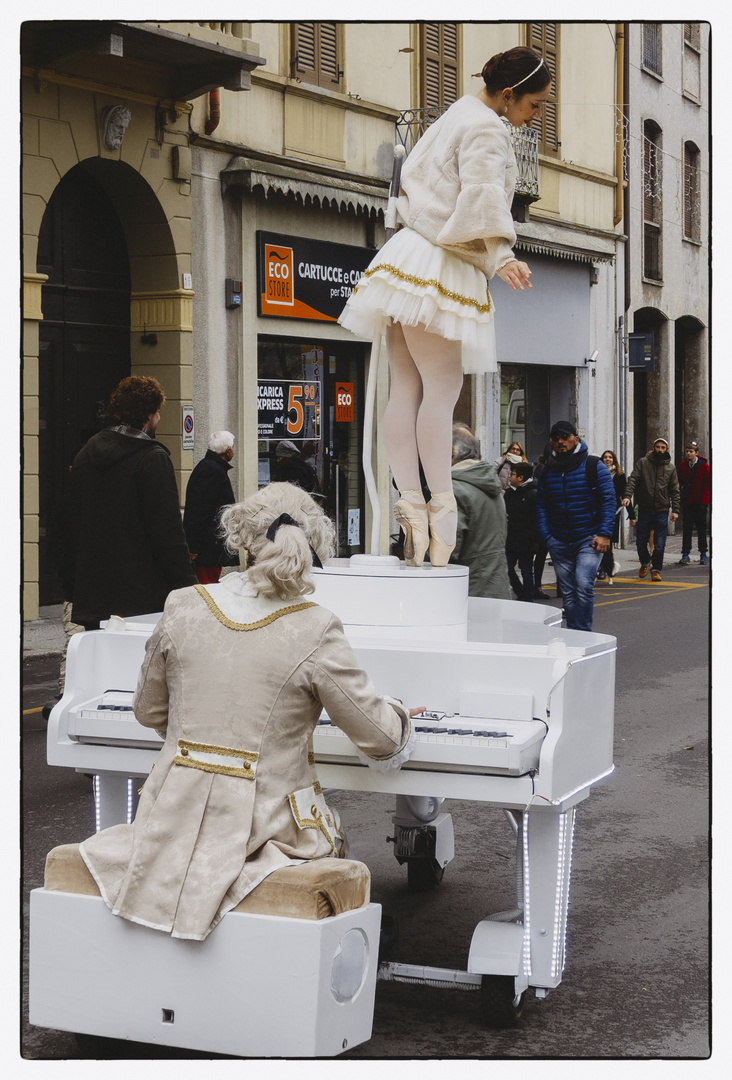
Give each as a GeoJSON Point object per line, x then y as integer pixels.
{"type": "Point", "coordinates": [413, 123]}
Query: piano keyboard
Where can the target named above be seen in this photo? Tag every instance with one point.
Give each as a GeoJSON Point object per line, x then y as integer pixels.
{"type": "Point", "coordinates": [450, 743]}
{"type": "Point", "coordinates": [109, 719]}
{"type": "Point", "coordinates": [444, 742]}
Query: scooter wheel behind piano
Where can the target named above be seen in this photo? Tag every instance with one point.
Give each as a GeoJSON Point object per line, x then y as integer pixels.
{"type": "Point", "coordinates": [498, 1002]}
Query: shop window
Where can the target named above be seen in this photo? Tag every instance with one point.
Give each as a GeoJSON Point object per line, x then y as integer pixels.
{"type": "Point", "coordinates": [544, 38]}
{"type": "Point", "coordinates": [316, 54]}
{"type": "Point", "coordinates": [439, 53]}
{"type": "Point", "coordinates": [311, 393]}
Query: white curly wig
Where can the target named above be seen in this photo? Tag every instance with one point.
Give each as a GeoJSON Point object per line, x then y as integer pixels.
{"type": "Point", "coordinates": [282, 566]}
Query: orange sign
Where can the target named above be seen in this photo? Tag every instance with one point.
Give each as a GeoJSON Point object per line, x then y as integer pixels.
{"type": "Point", "coordinates": [344, 402]}
{"type": "Point", "coordinates": [279, 289]}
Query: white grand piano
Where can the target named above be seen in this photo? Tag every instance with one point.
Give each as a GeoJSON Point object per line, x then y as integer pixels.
{"type": "Point", "coordinates": [519, 716]}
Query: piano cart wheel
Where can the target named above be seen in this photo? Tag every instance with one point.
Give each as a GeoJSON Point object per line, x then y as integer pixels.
{"type": "Point", "coordinates": [498, 1002]}
{"type": "Point", "coordinates": [424, 874]}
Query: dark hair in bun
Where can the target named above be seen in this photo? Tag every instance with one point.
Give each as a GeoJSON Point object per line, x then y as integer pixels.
{"type": "Point", "coordinates": [514, 68]}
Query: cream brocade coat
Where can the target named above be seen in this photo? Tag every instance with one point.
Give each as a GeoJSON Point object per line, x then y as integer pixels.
{"type": "Point", "coordinates": [234, 794]}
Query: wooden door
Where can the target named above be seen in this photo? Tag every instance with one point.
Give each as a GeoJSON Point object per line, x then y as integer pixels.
{"type": "Point", "coordinates": [84, 340]}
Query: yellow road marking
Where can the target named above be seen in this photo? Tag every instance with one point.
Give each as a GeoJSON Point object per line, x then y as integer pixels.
{"type": "Point", "coordinates": [653, 588]}
{"type": "Point", "coordinates": [27, 712]}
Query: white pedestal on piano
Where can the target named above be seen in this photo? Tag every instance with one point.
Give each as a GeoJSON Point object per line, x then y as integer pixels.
{"type": "Point", "coordinates": [521, 718]}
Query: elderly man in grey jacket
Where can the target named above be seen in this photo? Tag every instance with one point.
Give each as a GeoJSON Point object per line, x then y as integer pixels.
{"type": "Point", "coordinates": [481, 531]}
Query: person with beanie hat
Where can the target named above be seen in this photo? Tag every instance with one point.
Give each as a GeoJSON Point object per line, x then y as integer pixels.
{"type": "Point", "coordinates": [654, 487]}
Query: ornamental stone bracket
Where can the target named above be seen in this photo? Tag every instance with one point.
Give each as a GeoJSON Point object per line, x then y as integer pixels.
{"type": "Point", "coordinates": [160, 311]}
{"type": "Point", "coordinates": [32, 286]}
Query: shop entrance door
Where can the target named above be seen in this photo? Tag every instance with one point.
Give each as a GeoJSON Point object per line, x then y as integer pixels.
{"type": "Point", "coordinates": [84, 341]}
{"type": "Point", "coordinates": [311, 425]}
{"type": "Point", "coordinates": [525, 408]}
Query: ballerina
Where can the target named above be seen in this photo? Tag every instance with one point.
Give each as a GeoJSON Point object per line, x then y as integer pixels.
{"type": "Point", "coordinates": [427, 291]}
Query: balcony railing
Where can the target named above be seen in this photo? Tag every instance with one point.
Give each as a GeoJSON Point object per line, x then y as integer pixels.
{"type": "Point", "coordinates": [413, 123]}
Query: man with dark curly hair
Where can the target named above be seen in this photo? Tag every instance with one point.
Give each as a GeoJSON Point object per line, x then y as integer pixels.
{"type": "Point", "coordinates": [124, 548]}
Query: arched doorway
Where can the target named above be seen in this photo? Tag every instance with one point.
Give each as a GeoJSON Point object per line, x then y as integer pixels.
{"type": "Point", "coordinates": [84, 340]}
{"type": "Point", "coordinates": [651, 391]}
{"type": "Point", "coordinates": [692, 385]}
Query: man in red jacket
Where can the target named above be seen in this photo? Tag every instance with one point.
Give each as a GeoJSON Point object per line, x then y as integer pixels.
{"type": "Point", "coordinates": [693, 473]}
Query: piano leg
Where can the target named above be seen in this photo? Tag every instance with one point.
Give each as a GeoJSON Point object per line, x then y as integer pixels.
{"type": "Point", "coordinates": [115, 799]}
{"type": "Point", "coordinates": [547, 866]}
{"type": "Point", "coordinates": [525, 947]}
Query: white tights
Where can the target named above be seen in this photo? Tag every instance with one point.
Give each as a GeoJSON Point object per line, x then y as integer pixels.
{"type": "Point", "coordinates": [426, 378]}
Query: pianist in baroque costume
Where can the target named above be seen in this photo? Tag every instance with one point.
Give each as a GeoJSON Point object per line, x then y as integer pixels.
{"type": "Point", "coordinates": [234, 679]}
{"type": "Point", "coordinates": [427, 287]}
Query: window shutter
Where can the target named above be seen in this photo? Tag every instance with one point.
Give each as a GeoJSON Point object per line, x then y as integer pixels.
{"type": "Point", "coordinates": [304, 51]}
{"type": "Point", "coordinates": [652, 202]}
{"type": "Point", "coordinates": [544, 39]}
{"type": "Point", "coordinates": [328, 54]}
{"type": "Point", "coordinates": [316, 57]}
{"type": "Point", "coordinates": [691, 192]}
{"type": "Point", "coordinates": [439, 54]}
{"type": "Point", "coordinates": [692, 35]}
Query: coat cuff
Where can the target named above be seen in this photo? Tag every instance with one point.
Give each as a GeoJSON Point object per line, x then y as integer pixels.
{"type": "Point", "coordinates": [403, 753]}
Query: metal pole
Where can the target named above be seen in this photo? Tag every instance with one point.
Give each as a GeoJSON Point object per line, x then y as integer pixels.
{"type": "Point", "coordinates": [368, 420]}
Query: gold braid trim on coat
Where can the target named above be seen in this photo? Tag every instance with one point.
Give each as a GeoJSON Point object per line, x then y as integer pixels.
{"type": "Point", "coordinates": [248, 626]}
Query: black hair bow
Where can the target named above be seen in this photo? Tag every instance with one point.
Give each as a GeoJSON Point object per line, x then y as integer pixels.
{"type": "Point", "coordinates": [285, 519]}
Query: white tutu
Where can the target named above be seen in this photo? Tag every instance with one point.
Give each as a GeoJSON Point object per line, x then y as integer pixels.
{"type": "Point", "coordinates": [413, 281]}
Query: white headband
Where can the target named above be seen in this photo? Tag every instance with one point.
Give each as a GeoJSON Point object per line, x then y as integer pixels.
{"type": "Point", "coordinates": [527, 77]}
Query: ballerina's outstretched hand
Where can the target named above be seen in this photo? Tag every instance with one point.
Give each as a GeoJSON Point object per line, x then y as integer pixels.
{"type": "Point", "coordinates": [516, 274]}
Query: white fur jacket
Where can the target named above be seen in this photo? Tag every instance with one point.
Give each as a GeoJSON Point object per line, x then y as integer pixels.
{"type": "Point", "coordinates": [458, 182]}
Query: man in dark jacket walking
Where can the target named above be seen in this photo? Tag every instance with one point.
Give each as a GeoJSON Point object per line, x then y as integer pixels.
{"type": "Point", "coordinates": [481, 531]}
{"type": "Point", "coordinates": [124, 548]}
{"type": "Point", "coordinates": [694, 486]}
{"type": "Point", "coordinates": [653, 486]}
{"type": "Point", "coordinates": [209, 490]}
{"type": "Point", "coordinates": [575, 514]}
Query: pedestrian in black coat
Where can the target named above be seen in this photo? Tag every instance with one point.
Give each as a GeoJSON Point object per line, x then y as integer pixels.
{"type": "Point", "coordinates": [123, 548]}
{"type": "Point", "coordinates": [522, 537]}
{"type": "Point", "coordinates": [209, 491]}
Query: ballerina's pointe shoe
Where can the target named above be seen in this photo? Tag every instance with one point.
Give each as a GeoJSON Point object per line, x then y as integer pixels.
{"type": "Point", "coordinates": [411, 513]}
{"type": "Point", "coordinates": [442, 511]}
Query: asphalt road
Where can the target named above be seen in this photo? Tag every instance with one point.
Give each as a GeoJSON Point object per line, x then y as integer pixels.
{"type": "Point", "coordinates": [637, 980]}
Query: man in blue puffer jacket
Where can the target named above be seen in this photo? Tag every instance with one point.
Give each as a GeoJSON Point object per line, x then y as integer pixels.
{"type": "Point", "coordinates": [575, 514]}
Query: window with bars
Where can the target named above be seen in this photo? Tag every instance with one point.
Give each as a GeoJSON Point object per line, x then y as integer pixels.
{"type": "Point", "coordinates": [651, 45]}
{"type": "Point", "coordinates": [692, 195]}
{"type": "Point", "coordinates": [544, 38]}
{"type": "Point", "coordinates": [652, 202]}
{"type": "Point", "coordinates": [439, 55]}
{"type": "Point", "coordinates": [316, 54]}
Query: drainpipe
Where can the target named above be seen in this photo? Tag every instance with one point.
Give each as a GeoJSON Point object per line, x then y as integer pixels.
{"type": "Point", "coordinates": [214, 111]}
{"type": "Point", "coordinates": [620, 84]}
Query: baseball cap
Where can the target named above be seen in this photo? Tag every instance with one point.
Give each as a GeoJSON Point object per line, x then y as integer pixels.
{"type": "Point", "coordinates": [562, 427]}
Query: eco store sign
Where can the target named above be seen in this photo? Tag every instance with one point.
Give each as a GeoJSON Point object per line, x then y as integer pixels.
{"type": "Point", "coordinates": [306, 279]}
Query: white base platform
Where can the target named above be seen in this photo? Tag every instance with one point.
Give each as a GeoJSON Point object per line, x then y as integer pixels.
{"type": "Point", "coordinates": [258, 986]}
